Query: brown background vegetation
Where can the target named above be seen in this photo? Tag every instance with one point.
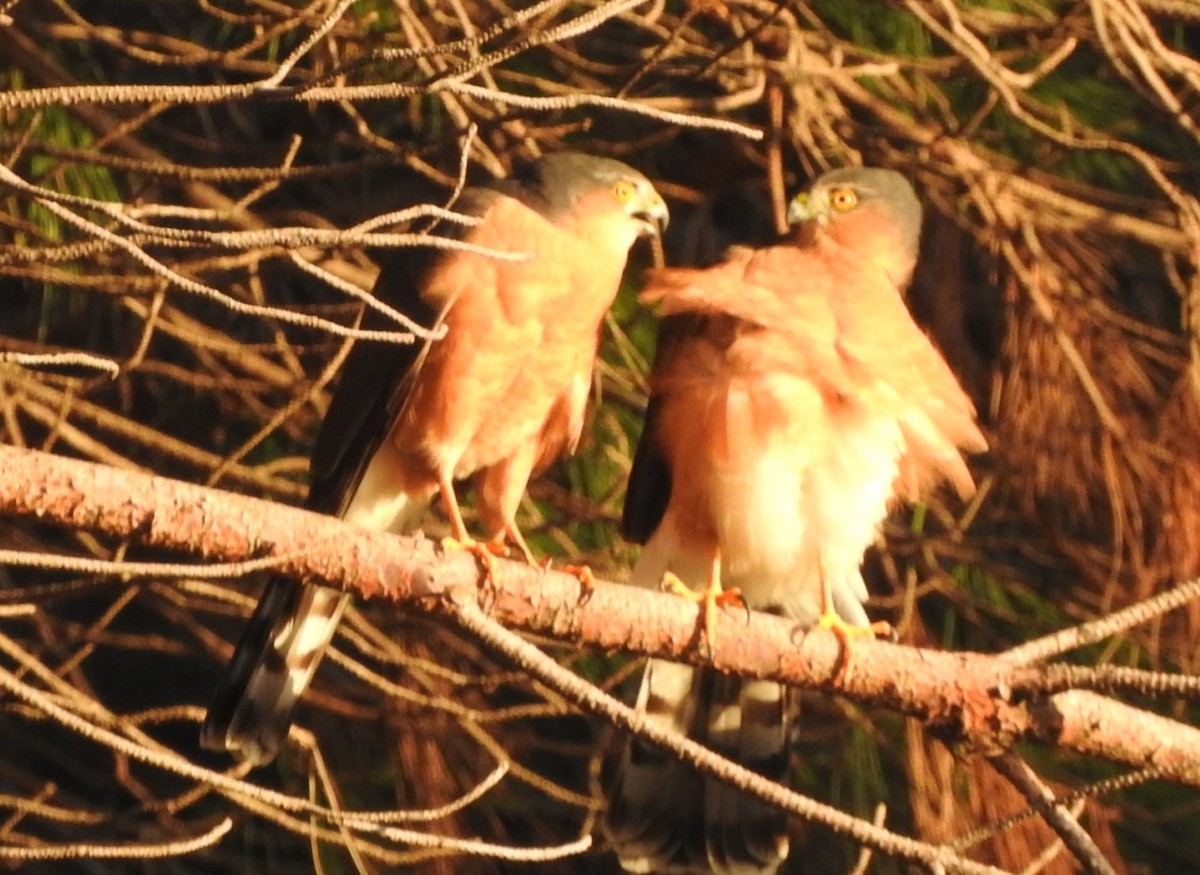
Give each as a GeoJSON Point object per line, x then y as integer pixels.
{"type": "Point", "coordinates": [182, 194]}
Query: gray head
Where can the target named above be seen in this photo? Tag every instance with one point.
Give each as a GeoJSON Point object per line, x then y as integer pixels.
{"type": "Point", "coordinates": [561, 179]}
{"type": "Point", "coordinates": [843, 192]}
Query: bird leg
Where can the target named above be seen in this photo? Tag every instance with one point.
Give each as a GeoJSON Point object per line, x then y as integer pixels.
{"type": "Point", "coordinates": [712, 596]}
{"type": "Point", "coordinates": [486, 551]}
{"type": "Point", "coordinates": [846, 632]}
{"type": "Point", "coordinates": [585, 576]}
{"type": "Point", "coordinates": [512, 533]}
{"type": "Point", "coordinates": [587, 580]}
{"type": "Point", "coordinates": [460, 539]}
{"type": "Point", "coordinates": [582, 573]}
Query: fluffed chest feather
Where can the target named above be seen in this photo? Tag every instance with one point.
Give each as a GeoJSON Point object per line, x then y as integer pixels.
{"type": "Point", "coordinates": [790, 483]}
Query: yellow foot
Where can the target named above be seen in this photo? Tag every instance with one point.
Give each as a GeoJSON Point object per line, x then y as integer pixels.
{"type": "Point", "coordinates": [845, 634]}
{"type": "Point", "coordinates": [582, 573]}
{"type": "Point", "coordinates": [485, 551]}
{"type": "Point", "coordinates": [712, 597]}
{"type": "Point", "coordinates": [587, 580]}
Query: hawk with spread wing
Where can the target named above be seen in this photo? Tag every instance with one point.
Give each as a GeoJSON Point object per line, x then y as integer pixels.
{"type": "Point", "coordinates": [499, 398]}
{"type": "Point", "coordinates": [793, 400]}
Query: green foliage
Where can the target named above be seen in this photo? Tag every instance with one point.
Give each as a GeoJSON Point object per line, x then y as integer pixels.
{"type": "Point", "coordinates": [61, 128]}
{"type": "Point", "coordinates": [877, 27]}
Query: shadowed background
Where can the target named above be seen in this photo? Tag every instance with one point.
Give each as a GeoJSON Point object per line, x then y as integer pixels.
{"type": "Point", "coordinates": [1054, 146]}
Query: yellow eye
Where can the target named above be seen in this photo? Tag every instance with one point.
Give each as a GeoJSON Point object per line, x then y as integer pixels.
{"type": "Point", "coordinates": [623, 191]}
{"type": "Point", "coordinates": [843, 199]}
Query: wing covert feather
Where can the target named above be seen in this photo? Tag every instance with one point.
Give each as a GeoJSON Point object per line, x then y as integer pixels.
{"type": "Point", "coordinates": [381, 373]}
{"type": "Point", "coordinates": [649, 489]}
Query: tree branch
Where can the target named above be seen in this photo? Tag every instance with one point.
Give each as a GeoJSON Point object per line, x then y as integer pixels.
{"type": "Point", "coordinates": [1058, 815]}
{"type": "Point", "coordinates": [595, 701]}
{"type": "Point", "coordinates": [962, 695]}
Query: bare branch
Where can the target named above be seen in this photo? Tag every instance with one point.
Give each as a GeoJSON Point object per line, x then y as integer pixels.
{"type": "Point", "coordinates": [963, 695]}
{"type": "Point", "coordinates": [469, 616]}
{"type": "Point", "coordinates": [82, 851]}
{"type": "Point", "coordinates": [1057, 815]}
{"type": "Point", "coordinates": [62, 359]}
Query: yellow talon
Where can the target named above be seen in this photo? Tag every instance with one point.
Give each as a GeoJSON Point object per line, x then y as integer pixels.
{"type": "Point", "coordinates": [672, 584]}
{"type": "Point", "coordinates": [582, 573]}
{"type": "Point", "coordinates": [485, 551]}
{"type": "Point", "coordinates": [845, 634]}
{"type": "Point", "coordinates": [712, 596]}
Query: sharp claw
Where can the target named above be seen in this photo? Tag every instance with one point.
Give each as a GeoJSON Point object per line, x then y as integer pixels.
{"type": "Point", "coordinates": [672, 584]}
{"type": "Point", "coordinates": [514, 535]}
{"type": "Point", "coordinates": [845, 634]}
{"type": "Point", "coordinates": [484, 551]}
{"type": "Point", "coordinates": [582, 573]}
{"type": "Point", "coordinates": [712, 597]}
{"type": "Point", "coordinates": [732, 596]}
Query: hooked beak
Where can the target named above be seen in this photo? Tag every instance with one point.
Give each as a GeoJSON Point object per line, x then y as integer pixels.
{"type": "Point", "coordinates": [651, 215]}
{"type": "Point", "coordinates": [803, 209]}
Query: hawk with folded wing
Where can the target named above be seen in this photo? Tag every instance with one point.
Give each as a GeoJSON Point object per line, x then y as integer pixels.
{"type": "Point", "coordinates": [793, 400]}
{"type": "Point", "coordinates": [499, 398]}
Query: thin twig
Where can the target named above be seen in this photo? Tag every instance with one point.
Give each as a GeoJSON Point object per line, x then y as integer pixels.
{"type": "Point", "coordinates": [62, 359]}
{"type": "Point", "coordinates": [592, 700]}
{"type": "Point", "coordinates": [1043, 648]}
{"type": "Point", "coordinates": [130, 851]}
{"type": "Point", "coordinates": [1057, 815]}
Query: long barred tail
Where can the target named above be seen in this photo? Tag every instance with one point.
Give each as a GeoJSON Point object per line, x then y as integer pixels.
{"type": "Point", "coordinates": [273, 663]}
{"type": "Point", "coordinates": [290, 629]}
{"type": "Point", "coordinates": [665, 817]}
